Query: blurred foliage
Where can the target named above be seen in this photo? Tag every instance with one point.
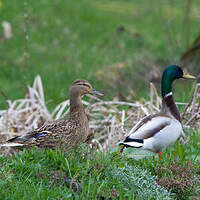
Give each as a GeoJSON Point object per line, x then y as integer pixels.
{"type": "Point", "coordinates": [76, 39]}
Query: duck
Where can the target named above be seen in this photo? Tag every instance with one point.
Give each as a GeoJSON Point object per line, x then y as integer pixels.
{"type": "Point", "coordinates": [158, 131]}
{"type": "Point", "coordinates": [62, 133]}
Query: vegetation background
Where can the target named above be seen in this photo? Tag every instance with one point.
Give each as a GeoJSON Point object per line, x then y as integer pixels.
{"type": "Point", "coordinates": [119, 46]}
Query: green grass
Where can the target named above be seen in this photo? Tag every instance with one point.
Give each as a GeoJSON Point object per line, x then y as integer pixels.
{"type": "Point", "coordinates": [41, 173]}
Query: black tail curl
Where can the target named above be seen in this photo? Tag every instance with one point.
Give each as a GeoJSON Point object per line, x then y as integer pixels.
{"type": "Point", "coordinates": [128, 139]}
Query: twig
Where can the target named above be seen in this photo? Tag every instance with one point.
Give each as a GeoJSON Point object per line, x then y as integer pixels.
{"type": "Point", "coordinates": [5, 97]}
{"type": "Point", "coordinates": [115, 103]}
{"type": "Point", "coordinates": [123, 119]}
{"type": "Point", "coordinates": [26, 50]}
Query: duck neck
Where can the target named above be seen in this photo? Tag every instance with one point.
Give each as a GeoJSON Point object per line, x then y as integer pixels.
{"type": "Point", "coordinates": [170, 107]}
{"type": "Point", "coordinates": [76, 104]}
{"type": "Point", "coordinates": [166, 84]}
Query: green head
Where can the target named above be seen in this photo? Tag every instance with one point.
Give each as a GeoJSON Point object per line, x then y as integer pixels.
{"type": "Point", "coordinates": [170, 74]}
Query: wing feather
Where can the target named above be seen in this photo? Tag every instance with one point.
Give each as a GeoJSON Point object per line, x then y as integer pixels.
{"type": "Point", "coordinates": [149, 126]}
{"type": "Point", "coordinates": [54, 127]}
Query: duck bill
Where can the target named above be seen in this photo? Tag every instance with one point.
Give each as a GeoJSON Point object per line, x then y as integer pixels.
{"type": "Point", "coordinates": [188, 76]}
{"type": "Point", "coordinates": [97, 93]}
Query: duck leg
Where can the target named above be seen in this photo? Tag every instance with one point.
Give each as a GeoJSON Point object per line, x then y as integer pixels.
{"type": "Point", "coordinates": [160, 156]}
{"type": "Point", "coordinates": [122, 149]}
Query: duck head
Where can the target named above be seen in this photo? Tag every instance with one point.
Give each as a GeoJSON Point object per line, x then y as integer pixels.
{"type": "Point", "coordinates": [170, 74]}
{"type": "Point", "coordinates": [81, 87]}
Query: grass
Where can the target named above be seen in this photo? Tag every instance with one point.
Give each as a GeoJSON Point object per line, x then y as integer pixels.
{"type": "Point", "coordinates": [41, 173]}
{"type": "Point", "coordinates": [82, 39]}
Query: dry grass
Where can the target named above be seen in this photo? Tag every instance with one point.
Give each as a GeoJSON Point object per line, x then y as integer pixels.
{"type": "Point", "coordinates": [110, 121]}
{"type": "Point", "coordinates": [180, 178]}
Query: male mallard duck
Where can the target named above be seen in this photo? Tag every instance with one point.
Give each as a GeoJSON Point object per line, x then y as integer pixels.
{"type": "Point", "coordinates": [62, 132]}
{"type": "Point", "coordinates": [156, 132]}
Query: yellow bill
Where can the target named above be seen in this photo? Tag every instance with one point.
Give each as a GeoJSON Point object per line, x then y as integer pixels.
{"type": "Point", "coordinates": [188, 76]}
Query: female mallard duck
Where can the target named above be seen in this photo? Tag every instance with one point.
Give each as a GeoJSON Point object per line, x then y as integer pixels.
{"type": "Point", "coordinates": [156, 132]}
{"type": "Point", "coordinates": [62, 132]}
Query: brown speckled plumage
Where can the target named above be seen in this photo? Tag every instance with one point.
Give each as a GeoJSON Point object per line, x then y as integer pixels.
{"type": "Point", "coordinates": [63, 133]}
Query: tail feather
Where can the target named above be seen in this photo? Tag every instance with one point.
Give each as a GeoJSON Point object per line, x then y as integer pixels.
{"type": "Point", "coordinates": [11, 145]}
{"type": "Point", "coordinates": [22, 140]}
{"type": "Point", "coordinates": [128, 139]}
{"type": "Point", "coordinates": [14, 142]}
{"type": "Point", "coordinates": [134, 143]}
{"type": "Point", "coordinates": [18, 139]}
{"type": "Point", "coordinates": [28, 137]}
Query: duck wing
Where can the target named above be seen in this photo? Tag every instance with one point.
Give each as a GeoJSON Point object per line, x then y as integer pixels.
{"type": "Point", "coordinates": [149, 126]}
{"type": "Point", "coordinates": [55, 127]}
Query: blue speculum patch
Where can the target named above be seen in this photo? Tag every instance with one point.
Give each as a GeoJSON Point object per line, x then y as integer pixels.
{"type": "Point", "coordinates": [40, 134]}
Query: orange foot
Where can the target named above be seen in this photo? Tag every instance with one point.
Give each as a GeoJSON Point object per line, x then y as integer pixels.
{"type": "Point", "coordinates": [160, 156]}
